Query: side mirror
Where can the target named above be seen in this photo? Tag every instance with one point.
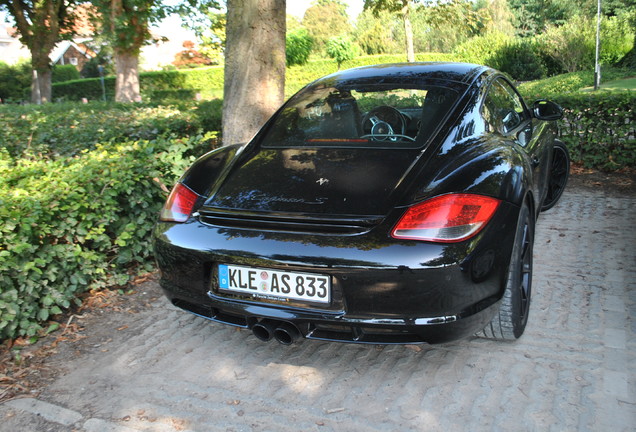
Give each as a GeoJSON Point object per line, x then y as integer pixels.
{"type": "Point", "coordinates": [547, 110]}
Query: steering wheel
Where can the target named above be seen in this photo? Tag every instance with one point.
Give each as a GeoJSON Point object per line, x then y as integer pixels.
{"type": "Point", "coordinates": [384, 123]}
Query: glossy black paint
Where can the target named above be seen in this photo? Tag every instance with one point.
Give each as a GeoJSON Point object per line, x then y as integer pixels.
{"type": "Point", "coordinates": [330, 211]}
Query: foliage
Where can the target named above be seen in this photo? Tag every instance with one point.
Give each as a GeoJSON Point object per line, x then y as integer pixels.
{"type": "Point", "coordinates": [208, 82]}
{"type": "Point", "coordinates": [84, 221]}
{"type": "Point", "coordinates": [41, 24]}
{"type": "Point", "coordinates": [14, 81]}
{"type": "Point", "coordinates": [67, 130]}
{"type": "Point", "coordinates": [480, 49]}
{"type": "Point", "coordinates": [326, 19]}
{"type": "Point", "coordinates": [519, 59]}
{"type": "Point", "coordinates": [378, 33]}
{"type": "Point", "coordinates": [191, 57]}
{"type": "Point", "coordinates": [533, 16]}
{"type": "Point", "coordinates": [568, 83]}
{"type": "Point", "coordinates": [498, 14]}
{"type": "Point", "coordinates": [572, 45]}
{"type": "Point", "coordinates": [617, 38]}
{"type": "Point", "coordinates": [62, 73]}
{"type": "Point", "coordinates": [600, 128]}
{"type": "Point", "coordinates": [298, 46]}
{"type": "Point", "coordinates": [208, 24]}
{"type": "Point", "coordinates": [341, 49]}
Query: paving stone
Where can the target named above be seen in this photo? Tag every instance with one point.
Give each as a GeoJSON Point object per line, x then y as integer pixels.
{"type": "Point", "coordinates": [573, 369]}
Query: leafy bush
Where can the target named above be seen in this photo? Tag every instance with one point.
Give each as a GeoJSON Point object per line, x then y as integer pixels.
{"type": "Point", "coordinates": [206, 81]}
{"type": "Point", "coordinates": [600, 128]}
{"type": "Point", "coordinates": [61, 73]}
{"type": "Point", "coordinates": [15, 81]}
{"type": "Point", "coordinates": [481, 49]}
{"type": "Point", "coordinates": [80, 186]}
{"type": "Point", "coordinates": [298, 46]}
{"type": "Point", "coordinates": [572, 45]}
{"type": "Point", "coordinates": [71, 225]}
{"type": "Point", "coordinates": [67, 129]}
{"type": "Point", "coordinates": [519, 59]}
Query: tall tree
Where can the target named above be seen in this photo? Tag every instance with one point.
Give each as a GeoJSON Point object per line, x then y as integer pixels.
{"type": "Point", "coordinates": [254, 85]}
{"type": "Point", "coordinates": [326, 19]}
{"type": "Point", "coordinates": [403, 7]}
{"type": "Point", "coordinates": [41, 24]}
{"type": "Point", "coordinates": [126, 23]}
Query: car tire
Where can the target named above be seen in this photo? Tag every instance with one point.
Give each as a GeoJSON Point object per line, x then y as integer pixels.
{"type": "Point", "coordinates": [510, 320]}
{"type": "Point", "coordinates": [559, 174]}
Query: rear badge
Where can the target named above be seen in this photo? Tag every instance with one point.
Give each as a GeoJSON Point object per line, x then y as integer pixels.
{"type": "Point", "coordinates": [322, 181]}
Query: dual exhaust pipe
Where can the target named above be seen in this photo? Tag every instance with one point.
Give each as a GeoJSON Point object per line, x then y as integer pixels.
{"type": "Point", "coordinates": [284, 332]}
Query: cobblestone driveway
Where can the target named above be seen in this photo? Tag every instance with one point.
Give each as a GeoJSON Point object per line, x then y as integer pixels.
{"type": "Point", "coordinates": [572, 370]}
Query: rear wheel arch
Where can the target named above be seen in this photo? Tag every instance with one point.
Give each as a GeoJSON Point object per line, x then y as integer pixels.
{"type": "Point", "coordinates": [510, 320]}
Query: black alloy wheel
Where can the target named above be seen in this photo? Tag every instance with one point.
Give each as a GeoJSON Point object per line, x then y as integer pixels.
{"type": "Point", "coordinates": [511, 319]}
{"type": "Point", "coordinates": [559, 174]}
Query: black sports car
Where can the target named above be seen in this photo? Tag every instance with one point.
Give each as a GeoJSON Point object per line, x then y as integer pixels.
{"type": "Point", "coordinates": [382, 204]}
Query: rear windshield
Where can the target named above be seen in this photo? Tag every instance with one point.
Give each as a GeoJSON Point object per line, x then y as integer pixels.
{"type": "Point", "coordinates": [375, 116]}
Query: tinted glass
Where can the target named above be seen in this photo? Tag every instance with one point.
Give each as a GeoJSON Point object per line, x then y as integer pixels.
{"type": "Point", "coordinates": [360, 116]}
{"type": "Point", "coordinates": [503, 109]}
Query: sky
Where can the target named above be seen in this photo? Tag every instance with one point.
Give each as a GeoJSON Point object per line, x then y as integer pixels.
{"type": "Point", "coordinates": [171, 26]}
{"type": "Point", "coordinates": [294, 7]}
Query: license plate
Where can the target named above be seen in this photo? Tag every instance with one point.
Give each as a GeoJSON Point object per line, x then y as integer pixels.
{"type": "Point", "coordinates": [274, 284]}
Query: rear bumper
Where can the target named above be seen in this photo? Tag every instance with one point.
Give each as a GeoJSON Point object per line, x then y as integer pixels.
{"type": "Point", "coordinates": [340, 327]}
{"type": "Point", "coordinates": [383, 290]}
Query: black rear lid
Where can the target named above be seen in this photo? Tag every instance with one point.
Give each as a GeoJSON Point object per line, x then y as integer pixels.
{"type": "Point", "coordinates": [326, 181]}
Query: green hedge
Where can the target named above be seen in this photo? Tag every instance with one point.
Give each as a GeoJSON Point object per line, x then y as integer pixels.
{"type": "Point", "coordinates": [71, 225]}
{"type": "Point", "coordinates": [207, 83]}
{"type": "Point", "coordinates": [67, 129]}
{"type": "Point", "coordinates": [80, 187]}
{"type": "Point", "coordinates": [600, 128]}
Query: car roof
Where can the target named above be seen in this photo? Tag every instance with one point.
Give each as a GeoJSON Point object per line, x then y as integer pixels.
{"type": "Point", "coordinates": [464, 73]}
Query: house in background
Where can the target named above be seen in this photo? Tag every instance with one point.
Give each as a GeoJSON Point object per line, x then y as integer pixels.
{"type": "Point", "coordinates": [11, 49]}
{"type": "Point", "coordinates": [71, 52]}
{"type": "Point", "coordinates": [159, 53]}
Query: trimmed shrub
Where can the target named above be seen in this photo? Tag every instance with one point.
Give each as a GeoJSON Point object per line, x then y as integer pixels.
{"type": "Point", "coordinates": [208, 82]}
{"type": "Point", "coordinates": [15, 81]}
{"type": "Point", "coordinates": [61, 73]}
{"type": "Point", "coordinates": [72, 225]}
{"type": "Point", "coordinates": [68, 129]}
{"type": "Point", "coordinates": [600, 128]}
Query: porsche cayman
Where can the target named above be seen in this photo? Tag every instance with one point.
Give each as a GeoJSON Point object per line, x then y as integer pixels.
{"type": "Point", "coordinates": [383, 204]}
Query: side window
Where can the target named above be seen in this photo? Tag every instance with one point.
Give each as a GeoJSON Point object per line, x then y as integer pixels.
{"type": "Point", "coordinates": [503, 109]}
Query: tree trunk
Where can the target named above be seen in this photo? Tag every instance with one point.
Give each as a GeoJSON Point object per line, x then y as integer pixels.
{"type": "Point", "coordinates": [254, 86]}
{"type": "Point", "coordinates": [41, 86]}
{"type": "Point", "coordinates": [408, 32]}
{"type": "Point", "coordinates": [41, 75]}
{"type": "Point", "coordinates": [127, 77]}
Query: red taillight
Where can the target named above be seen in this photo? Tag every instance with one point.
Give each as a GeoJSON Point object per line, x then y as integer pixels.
{"type": "Point", "coordinates": [447, 218]}
{"type": "Point", "coordinates": [179, 205]}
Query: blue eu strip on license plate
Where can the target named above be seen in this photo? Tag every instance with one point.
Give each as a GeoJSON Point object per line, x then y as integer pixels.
{"type": "Point", "coordinates": [269, 283]}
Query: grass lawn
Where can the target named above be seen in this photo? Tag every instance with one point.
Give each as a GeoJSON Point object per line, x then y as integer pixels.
{"type": "Point", "coordinates": [616, 85]}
